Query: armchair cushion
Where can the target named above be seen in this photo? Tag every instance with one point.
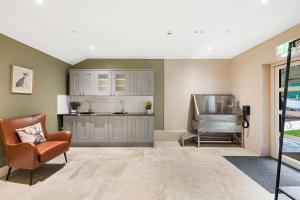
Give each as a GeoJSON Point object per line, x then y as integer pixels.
{"type": "Point", "coordinates": [32, 133]}
{"type": "Point", "coordinates": [50, 149]}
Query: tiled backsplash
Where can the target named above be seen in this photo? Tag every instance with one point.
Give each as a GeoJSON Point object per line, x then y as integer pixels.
{"type": "Point", "coordinates": [112, 103]}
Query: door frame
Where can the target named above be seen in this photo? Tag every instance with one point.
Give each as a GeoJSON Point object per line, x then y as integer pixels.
{"type": "Point", "coordinates": [275, 67]}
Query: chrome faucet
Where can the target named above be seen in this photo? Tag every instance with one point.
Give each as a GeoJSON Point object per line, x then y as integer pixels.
{"type": "Point", "coordinates": [90, 109]}
{"type": "Point", "coordinates": [123, 109]}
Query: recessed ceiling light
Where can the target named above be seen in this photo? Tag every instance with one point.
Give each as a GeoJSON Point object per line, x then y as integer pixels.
{"type": "Point", "coordinates": [93, 48]}
{"type": "Point", "coordinates": [169, 32]}
{"type": "Point", "coordinates": [208, 48]}
{"type": "Point", "coordinates": [197, 32]}
{"type": "Point", "coordinates": [39, 1]}
{"type": "Point", "coordinates": [264, 1]}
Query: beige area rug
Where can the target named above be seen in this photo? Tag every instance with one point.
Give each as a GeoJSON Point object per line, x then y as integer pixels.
{"type": "Point", "coordinates": [167, 172]}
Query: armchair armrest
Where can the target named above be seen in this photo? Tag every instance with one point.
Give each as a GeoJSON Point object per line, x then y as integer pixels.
{"type": "Point", "coordinates": [59, 136]}
{"type": "Point", "coordinates": [22, 155]}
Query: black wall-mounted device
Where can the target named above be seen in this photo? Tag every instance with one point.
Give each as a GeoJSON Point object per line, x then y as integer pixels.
{"type": "Point", "coordinates": [246, 110]}
{"type": "Point", "coordinates": [246, 113]}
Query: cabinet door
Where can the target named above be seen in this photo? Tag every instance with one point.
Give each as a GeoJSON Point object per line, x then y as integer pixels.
{"type": "Point", "coordinates": [69, 124]}
{"type": "Point", "coordinates": [135, 79]}
{"type": "Point", "coordinates": [75, 85]}
{"type": "Point", "coordinates": [99, 129]}
{"type": "Point", "coordinates": [134, 129]}
{"type": "Point", "coordinates": [83, 129]}
{"type": "Point", "coordinates": [87, 82]}
{"type": "Point", "coordinates": [147, 128]}
{"type": "Point", "coordinates": [117, 129]}
{"type": "Point", "coordinates": [120, 83]}
{"type": "Point", "coordinates": [102, 83]}
{"type": "Point", "coordinates": [81, 82]}
{"type": "Point", "coordinates": [148, 83]}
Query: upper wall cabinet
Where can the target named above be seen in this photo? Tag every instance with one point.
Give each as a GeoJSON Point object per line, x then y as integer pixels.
{"type": "Point", "coordinates": [103, 83]}
{"type": "Point", "coordinates": [81, 83]}
{"type": "Point", "coordinates": [141, 83]}
{"type": "Point", "coordinates": [112, 82]}
{"type": "Point", "coordinates": [147, 83]}
{"type": "Point", "coordinates": [120, 83]}
{"type": "Point", "coordinates": [135, 83]}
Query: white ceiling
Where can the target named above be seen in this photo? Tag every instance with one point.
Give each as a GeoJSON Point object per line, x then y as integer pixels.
{"type": "Point", "coordinates": [138, 28]}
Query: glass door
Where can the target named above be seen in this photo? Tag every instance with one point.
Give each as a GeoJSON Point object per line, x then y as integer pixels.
{"type": "Point", "coordinates": [291, 144]}
{"type": "Point", "coordinates": [103, 83]}
{"type": "Point", "coordinates": [120, 83]}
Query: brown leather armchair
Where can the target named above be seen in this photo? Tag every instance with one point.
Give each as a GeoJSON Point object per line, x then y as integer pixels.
{"type": "Point", "coordinates": [29, 155]}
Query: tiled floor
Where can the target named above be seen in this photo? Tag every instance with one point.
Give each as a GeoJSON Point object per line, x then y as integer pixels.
{"type": "Point", "coordinates": [165, 172]}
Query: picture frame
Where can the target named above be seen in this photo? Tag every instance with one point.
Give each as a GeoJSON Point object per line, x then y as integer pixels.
{"type": "Point", "coordinates": [21, 80]}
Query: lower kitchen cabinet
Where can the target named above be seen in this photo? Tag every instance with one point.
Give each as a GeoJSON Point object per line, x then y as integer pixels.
{"type": "Point", "coordinates": [147, 129]}
{"type": "Point", "coordinates": [117, 129]}
{"type": "Point", "coordinates": [69, 124]}
{"type": "Point", "coordinates": [99, 129]}
{"type": "Point", "coordinates": [134, 129]}
{"type": "Point", "coordinates": [83, 129]}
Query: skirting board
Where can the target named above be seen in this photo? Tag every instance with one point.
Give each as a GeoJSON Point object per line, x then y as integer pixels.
{"type": "Point", "coordinates": [168, 135]}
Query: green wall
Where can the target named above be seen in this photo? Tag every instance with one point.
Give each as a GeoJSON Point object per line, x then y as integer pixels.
{"type": "Point", "coordinates": [155, 64]}
{"type": "Point", "coordinates": [49, 81]}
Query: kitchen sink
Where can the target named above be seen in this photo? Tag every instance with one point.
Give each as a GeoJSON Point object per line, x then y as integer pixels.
{"type": "Point", "coordinates": [86, 113]}
{"type": "Point", "coordinates": [120, 113]}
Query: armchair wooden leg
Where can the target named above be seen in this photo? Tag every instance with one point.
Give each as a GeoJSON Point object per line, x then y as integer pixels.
{"type": "Point", "coordinates": [31, 175]}
{"type": "Point", "coordinates": [8, 173]}
{"type": "Point", "coordinates": [65, 154]}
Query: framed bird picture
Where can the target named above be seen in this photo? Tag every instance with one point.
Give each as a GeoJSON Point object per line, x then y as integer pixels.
{"type": "Point", "coordinates": [21, 80]}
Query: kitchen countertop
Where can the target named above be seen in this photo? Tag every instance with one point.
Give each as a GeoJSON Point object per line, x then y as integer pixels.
{"type": "Point", "coordinates": [108, 114]}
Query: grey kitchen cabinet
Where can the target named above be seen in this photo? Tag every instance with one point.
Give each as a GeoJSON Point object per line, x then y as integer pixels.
{"type": "Point", "coordinates": [147, 83]}
{"type": "Point", "coordinates": [147, 129]}
{"type": "Point", "coordinates": [90, 130]}
{"type": "Point", "coordinates": [103, 83]}
{"type": "Point", "coordinates": [111, 82]}
{"type": "Point", "coordinates": [117, 129]}
{"type": "Point", "coordinates": [69, 124]}
{"type": "Point", "coordinates": [83, 128]}
{"type": "Point", "coordinates": [141, 83]}
{"type": "Point", "coordinates": [99, 129]}
{"type": "Point", "coordinates": [75, 85]}
{"type": "Point", "coordinates": [135, 79]}
{"type": "Point", "coordinates": [120, 83]}
{"type": "Point", "coordinates": [88, 83]}
{"type": "Point", "coordinates": [81, 82]}
{"type": "Point", "coordinates": [134, 129]}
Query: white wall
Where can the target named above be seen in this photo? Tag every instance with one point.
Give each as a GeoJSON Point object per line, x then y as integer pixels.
{"type": "Point", "coordinates": [185, 77]}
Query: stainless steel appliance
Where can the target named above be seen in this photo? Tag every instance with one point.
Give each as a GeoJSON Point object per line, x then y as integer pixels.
{"type": "Point", "coordinates": [213, 114]}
